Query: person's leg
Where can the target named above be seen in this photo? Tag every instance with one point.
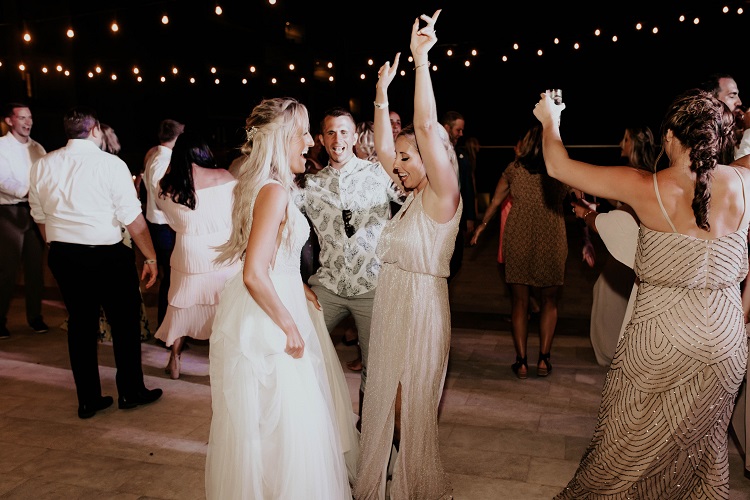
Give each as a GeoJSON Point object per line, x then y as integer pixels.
{"type": "Point", "coordinates": [163, 238]}
{"type": "Point", "coordinates": [33, 266]}
{"type": "Point", "coordinates": [361, 309]}
{"type": "Point", "coordinates": [334, 307]}
{"type": "Point", "coordinates": [77, 274]}
{"type": "Point", "coordinates": [121, 300]}
{"type": "Point", "coordinates": [547, 325]}
{"type": "Point", "coordinates": [173, 368]}
{"type": "Point", "coordinates": [520, 323]}
{"type": "Point", "coordinates": [11, 244]}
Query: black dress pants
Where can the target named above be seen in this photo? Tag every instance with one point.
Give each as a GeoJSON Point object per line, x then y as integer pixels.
{"type": "Point", "coordinates": [104, 276]}
{"type": "Point", "coordinates": [21, 245]}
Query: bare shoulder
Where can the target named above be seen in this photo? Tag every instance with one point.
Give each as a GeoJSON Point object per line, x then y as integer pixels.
{"type": "Point", "coordinates": [272, 192]}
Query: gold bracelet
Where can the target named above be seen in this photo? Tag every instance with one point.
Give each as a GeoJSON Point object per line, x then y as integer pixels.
{"type": "Point", "coordinates": [420, 65]}
{"type": "Point", "coordinates": [588, 212]}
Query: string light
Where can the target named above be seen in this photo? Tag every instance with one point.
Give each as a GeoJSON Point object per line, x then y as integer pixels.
{"type": "Point", "coordinates": [450, 52]}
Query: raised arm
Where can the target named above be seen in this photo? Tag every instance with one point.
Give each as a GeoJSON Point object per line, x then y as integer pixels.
{"type": "Point", "coordinates": [627, 184]}
{"type": "Point", "coordinates": [384, 146]}
{"type": "Point", "coordinates": [268, 216]}
{"type": "Point", "coordinates": [442, 196]}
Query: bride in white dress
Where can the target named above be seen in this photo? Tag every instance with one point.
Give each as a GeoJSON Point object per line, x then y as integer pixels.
{"type": "Point", "coordinates": [275, 430]}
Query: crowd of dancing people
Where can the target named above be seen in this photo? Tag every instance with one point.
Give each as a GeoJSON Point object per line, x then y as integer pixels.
{"type": "Point", "coordinates": [264, 259]}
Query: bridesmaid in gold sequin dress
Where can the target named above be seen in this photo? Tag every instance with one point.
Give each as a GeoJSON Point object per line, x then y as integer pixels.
{"type": "Point", "coordinates": [669, 395]}
{"type": "Point", "coordinates": [411, 314]}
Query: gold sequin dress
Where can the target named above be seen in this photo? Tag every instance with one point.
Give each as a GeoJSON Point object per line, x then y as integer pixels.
{"type": "Point", "coordinates": [669, 395]}
{"type": "Point", "coordinates": [409, 344]}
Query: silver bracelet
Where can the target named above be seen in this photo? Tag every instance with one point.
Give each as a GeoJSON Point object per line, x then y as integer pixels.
{"type": "Point", "coordinates": [149, 261]}
{"type": "Point", "coordinates": [380, 105]}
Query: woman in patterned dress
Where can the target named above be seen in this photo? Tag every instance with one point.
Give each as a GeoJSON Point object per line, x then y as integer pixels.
{"type": "Point", "coordinates": [535, 245]}
{"type": "Point", "coordinates": [670, 391]}
{"type": "Point", "coordinates": [411, 313]}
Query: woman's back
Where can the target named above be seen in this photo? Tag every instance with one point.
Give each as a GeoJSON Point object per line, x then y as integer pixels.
{"type": "Point", "coordinates": [675, 190]}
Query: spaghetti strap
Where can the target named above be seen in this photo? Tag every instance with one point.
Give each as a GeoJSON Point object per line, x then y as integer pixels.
{"type": "Point", "coordinates": [663, 211]}
{"type": "Point", "coordinates": [744, 200]}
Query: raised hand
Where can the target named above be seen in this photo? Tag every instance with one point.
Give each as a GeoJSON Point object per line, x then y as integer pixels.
{"type": "Point", "coordinates": [423, 39]}
{"type": "Point", "coordinates": [546, 110]}
{"type": "Point", "coordinates": [387, 73]}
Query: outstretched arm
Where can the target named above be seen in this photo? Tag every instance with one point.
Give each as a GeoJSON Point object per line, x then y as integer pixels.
{"type": "Point", "coordinates": [442, 197]}
{"type": "Point", "coordinates": [627, 184]}
{"type": "Point", "coordinates": [384, 146]}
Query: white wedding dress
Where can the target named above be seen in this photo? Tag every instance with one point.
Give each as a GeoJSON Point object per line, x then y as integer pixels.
{"type": "Point", "coordinates": [278, 430]}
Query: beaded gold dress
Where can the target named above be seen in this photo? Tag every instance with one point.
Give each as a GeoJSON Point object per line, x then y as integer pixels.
{"type": "Point", "coordinates": [670, 391]}
{"type": "Point", "coordinates": [409, 344]}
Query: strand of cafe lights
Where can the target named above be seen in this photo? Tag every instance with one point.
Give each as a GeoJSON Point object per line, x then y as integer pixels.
{"type": "Point", "coordinates": [325, 69]}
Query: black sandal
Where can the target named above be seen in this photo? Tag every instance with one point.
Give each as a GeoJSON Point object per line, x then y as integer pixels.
{"type": "Point", "coordinates": [545, 370]}
{"type": "Point", "coordinates": [516, 367]}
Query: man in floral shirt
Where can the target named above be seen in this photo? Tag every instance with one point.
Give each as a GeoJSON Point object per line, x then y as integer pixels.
{"type": "Point", "coordinates": [348, 204]}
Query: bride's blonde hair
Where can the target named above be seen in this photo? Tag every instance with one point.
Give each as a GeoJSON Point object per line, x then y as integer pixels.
{"type": "Point", "coordinates": [271, 127]}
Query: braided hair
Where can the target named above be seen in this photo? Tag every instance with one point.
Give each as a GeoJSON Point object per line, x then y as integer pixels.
{"type": "Point", "coordinates": [695, 118]}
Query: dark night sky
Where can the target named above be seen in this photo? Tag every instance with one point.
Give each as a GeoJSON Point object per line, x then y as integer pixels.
{"type": "Point", "coordinates": [606, 85]}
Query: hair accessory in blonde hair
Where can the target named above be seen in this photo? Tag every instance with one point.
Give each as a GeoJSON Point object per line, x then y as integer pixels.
{"type": "Point", "coordinates": [251, 132]}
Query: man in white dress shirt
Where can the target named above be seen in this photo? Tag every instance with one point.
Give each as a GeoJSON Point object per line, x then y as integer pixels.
{"type": "Point", "coordinates": [20, 241]}
{"type": "Point", "coordinates": [80, 196]}
{"type": "Point", "coordinates": [348, 204]}
{"type": "Point", "coordinates": [155, 166]}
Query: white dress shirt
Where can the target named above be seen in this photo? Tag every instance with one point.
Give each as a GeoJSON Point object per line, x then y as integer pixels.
{"type": "Point", "coordinates": [156, 167]}
{"type": "Point", "coordinates": [16, 159]}
{"type": "Point", "coordinates": [82, 194]}
{"type": "Point", "coordinates": [349, 266]}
